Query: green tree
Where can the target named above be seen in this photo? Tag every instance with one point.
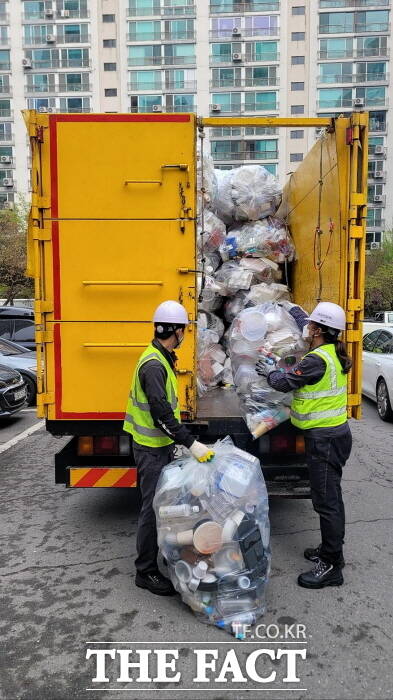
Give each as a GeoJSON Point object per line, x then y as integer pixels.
{"type": "Point", "coordinates": [379, 278]}
{"type": "Point", "coordinates": [13, 229]}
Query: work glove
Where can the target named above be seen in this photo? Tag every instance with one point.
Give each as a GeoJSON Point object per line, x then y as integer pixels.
{"type": "Point", "coordinates": [265, 365]}
{"type": "Point", "coordinates": [201, 452]}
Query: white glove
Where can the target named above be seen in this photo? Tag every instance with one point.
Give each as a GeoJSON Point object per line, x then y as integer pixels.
{"type": "Point", "coordinates": [201, 452]}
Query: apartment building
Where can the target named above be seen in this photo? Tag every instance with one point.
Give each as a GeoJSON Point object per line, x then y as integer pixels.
{"type": "Point", "coordinates": [217, 57]}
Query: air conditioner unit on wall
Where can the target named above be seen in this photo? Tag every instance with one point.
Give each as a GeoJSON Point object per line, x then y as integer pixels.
{"type": "Point", "coordinates": [216, 108]}
{"type": "Point", "coordinates": [236, 56]}
{"type": "Point", "coordinates": [157, 108]}
{"type": "Point", "coordinates": [64, 13]}
{"type": "Point", "coordinates": [358, 102]}
{"type": "Point", "coordinates": [379, 150]}
{"type": "Point", "coordinates": [8, 182]}
{"type": "Point", "coordinates": [236, 31]}
{"type": "Point", "coordinates": [50, 38]}
{"type": "Point", "coordinates": [8, 205]}
{"type": "Point", "coordinates": [374, 245]}
{"type": "Point", "coordinates": [49, 13]}
{"type": "Point", "coordinates": [5, 159]}
{"type": "Point", "coordinates": [26, 63]}
{"type": "Point", "coordinates": [378, 173]}
{"type": "Point", "coordinates": [378, 198]}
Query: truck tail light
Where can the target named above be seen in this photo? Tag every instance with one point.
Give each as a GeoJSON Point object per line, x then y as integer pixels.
{"type": "Point", "coordinates": [274, 444]}
{"type": "Point", "coordinates": [108, 445]}
{"type": "Point", "coordinates": [85, 446]}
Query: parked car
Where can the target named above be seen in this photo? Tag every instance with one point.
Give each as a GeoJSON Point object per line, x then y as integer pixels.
{"type": "Point", "coordinates": [25, 361]}
{"type": "Point", "coordinates": [378, 370]}
{"type": "Point", "coordinates": [12, 392]}
{"type": "Point", "coordinates": [17, 324]}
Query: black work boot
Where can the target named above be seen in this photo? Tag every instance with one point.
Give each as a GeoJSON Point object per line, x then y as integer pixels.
{"type": "Point", "coordinates": [155, 583]}
{"type": "Point", "coordinates": [314, 554]}
{"type": "Point", "coordinates": [323, 574]}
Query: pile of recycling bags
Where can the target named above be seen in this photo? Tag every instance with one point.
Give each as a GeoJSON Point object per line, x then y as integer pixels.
{"type": "Point", "coordinates": [242, 252]}
{"type": "Point", "coordinates": [213, 535]}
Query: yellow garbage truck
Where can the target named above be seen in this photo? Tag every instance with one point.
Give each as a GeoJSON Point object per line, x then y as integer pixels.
{"type": "Point", "coordinates": [112, 233]}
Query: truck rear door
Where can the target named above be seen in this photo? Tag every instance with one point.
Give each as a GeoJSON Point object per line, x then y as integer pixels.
{"type": "Point", "coordinates": [112, 231]}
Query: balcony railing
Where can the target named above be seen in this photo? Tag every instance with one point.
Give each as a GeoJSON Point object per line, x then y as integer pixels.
{"type": "Point", "coordinates": [159, 87]}
{"type": "Point", "coordinates": [71, 14]}
{"type": "Point", "coordinates": [61, 63]}
{"type": "Point", "coordinates": [4, 17]}
{"type": "Point", "coordinates": [358, 78]}
{"type": "Point", "coordinates": [59, 39]}
{"type": "Point", "coordinates": [219, 34]}
{"type": "Point", "coordinates": [218, 8]}
{"type": "Point", "coordinates": [353, 3]}
{"type": "Point", "coordinates": [346, 103]}
{"type": "Point", "coordinates": [4, 40]}
{"type": "Point", "coordinates": [225, 132]}
{"type": "Point", "coordinates": [8, 138]}
{"type": "Point", "coordinates": [247, 82]}
{"type": "Point", "coordinates": [45, 89]}
{"type": "Point", "coordinates": [354, 53]}
{"type": "Point", "coordinates": [245, 107]}
{"type": "Point", "coordinates": [74, 110]}
{"type": "Point", "coordinates": [173, 108]}
{"type": "Point", "coordinates": [246, 155]}
{"type": "Point", "coordinates": [161, 36]}
{"type": "Point", "coordinates": [355, 28]}
{"type": "Point", "coordinates": [6, 114]}
{"type": "Point", "coordinates": [377, 225]}
{"type": "Point", "coordinates": [162, 61]}
{"type": "Point", "coordinates": [5, 65]}
{"type": "Point", "coordinates": [176, 11]}
{"type": "Point", "coordinates": [376, 126]}
{"type": "Point", "coordinates": [248, 58]}
{"type": "Point", "coordinates": [5, 90]}
{"type": "Point", "coordinates": [73, 39]}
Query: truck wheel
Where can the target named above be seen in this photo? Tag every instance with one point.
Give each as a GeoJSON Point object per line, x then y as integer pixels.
{"type": "Point", "coordinates": [384, 406]}
{"type": "Point", "coordinates": [31, 390]}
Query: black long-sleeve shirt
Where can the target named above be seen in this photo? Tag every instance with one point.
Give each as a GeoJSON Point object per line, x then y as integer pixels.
{"type": "Point", "coordinates": [153, 376]}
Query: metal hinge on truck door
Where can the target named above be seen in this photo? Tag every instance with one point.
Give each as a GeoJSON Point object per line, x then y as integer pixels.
{"type": "Point", "coordinates": [45, 399]}
{"type": "Point", "coordinates": [44, 336]}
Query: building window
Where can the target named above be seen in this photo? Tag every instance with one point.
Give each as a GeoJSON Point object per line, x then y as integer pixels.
{"type": "Point", "coordinates": [298, 36]}
{"type": "Point", "coordinates": [109, 66]}
{"type": "Point", "coordinates": [297, 109]}
{"type": "Point", "coordinates": [297, 60]}
{"type": "Point", "coordinates": [300, 10]}
{"type": "Point", "coordinates": [297, 87]}
{"type": "Point", "coordinates": [297, 134]}
{"type": "Point", "coordinates": [296, 157]}
{"type": "Point", "coordinates": [109, 43]}
{"type": "Point", "coordinates": [108, 18]}
{"type": "Point", "coordinates": [110, 92]}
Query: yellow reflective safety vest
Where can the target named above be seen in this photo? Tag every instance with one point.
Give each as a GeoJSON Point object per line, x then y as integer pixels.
{"type": "Point", "coordinates": [324, 404]}
{"type": "Point", "coordinates": [138, 420]}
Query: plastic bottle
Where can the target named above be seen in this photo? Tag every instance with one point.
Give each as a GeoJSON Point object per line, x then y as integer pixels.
{"type": "Point", "coordinates": [200, 570]}
{"type": "Point", "coordinates": [237, 626]}
{"type": "Point", "coordinates": [232, 606]}
{"type": "Point", "coordinates": [243, 582]}
{"type": "Point", "coordinates": [180, 511]}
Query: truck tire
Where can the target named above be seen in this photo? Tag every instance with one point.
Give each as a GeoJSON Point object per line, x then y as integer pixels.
{"type": "Point", "coordinates": [384, 407]}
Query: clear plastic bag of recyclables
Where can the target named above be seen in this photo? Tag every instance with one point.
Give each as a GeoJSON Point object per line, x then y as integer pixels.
{"type": "Point", "coordinates": [213, 532]}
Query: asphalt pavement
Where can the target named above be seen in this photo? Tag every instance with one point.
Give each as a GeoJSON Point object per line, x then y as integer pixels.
{"type": "Point", "coordinates": [68, 586]}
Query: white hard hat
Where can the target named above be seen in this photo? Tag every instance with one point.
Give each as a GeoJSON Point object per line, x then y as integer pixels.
{"type": "Point", "coordinates": [171, 312]}
{"type": "Point", "coordinates": [329, 314]}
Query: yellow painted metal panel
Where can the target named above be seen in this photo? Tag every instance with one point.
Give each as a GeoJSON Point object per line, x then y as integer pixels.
{"type": "Point", "coordinates": [125, 169]}
{"type": "Point", "coordinates": [129, 283]}
{"type": "Point", "coordinates": [94, 362]}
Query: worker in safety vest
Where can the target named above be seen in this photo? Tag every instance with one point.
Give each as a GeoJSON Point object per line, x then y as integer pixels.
{"type": "Point", "coordinates": [319, 408]}
{"type": "Point", "coordinates": [153, 419]}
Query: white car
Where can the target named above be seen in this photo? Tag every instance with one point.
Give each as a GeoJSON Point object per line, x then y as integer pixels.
{"type": "Point", "coordinates": [378, 370]}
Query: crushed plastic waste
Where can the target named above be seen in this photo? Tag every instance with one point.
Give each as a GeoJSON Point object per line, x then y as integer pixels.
{"type": "Point", "coordinates": [247, 193]}
{"type": "Point", "coordinates": [268, 238]}
{"type": "Point", "coordinates": [213, 533]}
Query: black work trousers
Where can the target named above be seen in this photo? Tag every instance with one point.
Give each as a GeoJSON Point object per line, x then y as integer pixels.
{"type": "Point", "coordinates": [325, 458]}
{"type": "Point", "coordinates": [149, 462]}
